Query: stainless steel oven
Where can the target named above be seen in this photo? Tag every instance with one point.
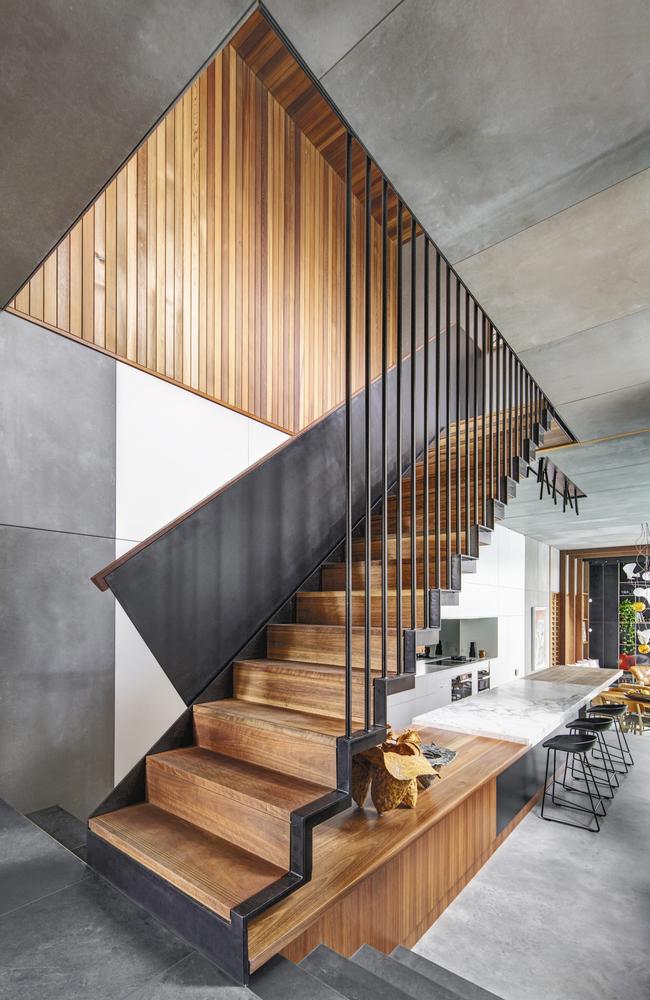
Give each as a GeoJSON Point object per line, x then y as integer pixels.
{"type": "Point", "coordinates": [484, 678]}
{"type": "Point", "coordinates": [461, 686]}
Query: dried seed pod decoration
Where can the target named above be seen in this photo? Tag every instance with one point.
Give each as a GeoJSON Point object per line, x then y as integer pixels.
{"type": "Point", "coordinates": [361, 778]}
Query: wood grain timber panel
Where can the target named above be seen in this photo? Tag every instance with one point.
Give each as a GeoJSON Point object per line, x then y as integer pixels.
{"type": "Point", "coordinates": [377, 878]}
{"type": "Point", "coordinates": [215, 257]}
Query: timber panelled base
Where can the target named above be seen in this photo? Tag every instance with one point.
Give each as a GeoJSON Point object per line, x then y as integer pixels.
{"type": "Point", "coordinates": [384, 880]}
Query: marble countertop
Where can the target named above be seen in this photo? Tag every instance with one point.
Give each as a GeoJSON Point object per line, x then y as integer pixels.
{"type": "Point", "coordinates": [525, 711]}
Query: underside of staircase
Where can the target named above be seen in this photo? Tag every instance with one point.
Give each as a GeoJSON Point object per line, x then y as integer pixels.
{"type": "Point", "coordinates": [223, 830]}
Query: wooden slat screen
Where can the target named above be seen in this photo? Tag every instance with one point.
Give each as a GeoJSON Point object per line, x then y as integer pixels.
{"type": "Point", "coordinates": [555, 630]}
{"type": "Point", "coordinates": [215, 258]}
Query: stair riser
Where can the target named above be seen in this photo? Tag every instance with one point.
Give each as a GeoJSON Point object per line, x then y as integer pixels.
{"type": "Point", "coordinates": [290, 754]}
{"type": "Point", "coordinates": [320, 609]}
{"type": "Point", "coordinates": [299, 691]}
{"type": "Point", "coordinates": [215, 811]}
{"type": "Point", "coordinates": [296, 642]}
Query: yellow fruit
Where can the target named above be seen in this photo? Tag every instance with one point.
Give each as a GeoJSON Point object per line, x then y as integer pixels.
{"type": "Point", "coordinates": [639, 606]}
{"type": "Point", "coordinates": [644, 648]}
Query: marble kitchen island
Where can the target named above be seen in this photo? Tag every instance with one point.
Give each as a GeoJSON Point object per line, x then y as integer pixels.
{"type": "Point", "coordinates": [526, 710]}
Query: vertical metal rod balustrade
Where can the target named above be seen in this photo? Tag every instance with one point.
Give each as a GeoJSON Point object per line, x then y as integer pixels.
{"type": "Point", "coordinates": [348, 435]}
{"type": "Point", "coordinates": [384, 428]}
{"type": "Point", "coordinates": [447, 424]}
{"type": "Point", "coordinates": [497, 362]}
{"type": "Point", "coordinates": [437, 389]}
{"type": "Point", "coordinates": [414, 478]}
{"type": "Point", "coordinates": [467, 391]}
{"type": "Point", "coordinates": [477, 516]}
{"type": "Point", "coordinates": [425, 495]}
{"type": "Point", "coordinates": [458, 461]}
{"type": "Point", "coordinates": [484, 353]}
{"type": "Point", "coordinates": [368, 447]}
{"type": "Point", "coordinates": [398, 445]}
{"type": "Point", "coordinates": [490, 409]}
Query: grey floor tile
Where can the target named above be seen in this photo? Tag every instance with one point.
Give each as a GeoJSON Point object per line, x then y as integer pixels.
{"type": "Point", "coordinates": [31, 863]}
{"type": "Point", "coordinates": [61, 825]}
{"type": "Point", "coordinates": [86, 942]}
{"type": "Point", "coordinates": [193, 978]}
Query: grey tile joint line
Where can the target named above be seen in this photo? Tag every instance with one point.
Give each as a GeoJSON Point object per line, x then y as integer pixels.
{"type": "Point", "coordinates": [567, 208]}
{"type": "Point", "coordinates": [586, 329]}
{"type": "Point", "coordinates": [64, 531]}
{"type": "Point", "coordinates": [362, 39]}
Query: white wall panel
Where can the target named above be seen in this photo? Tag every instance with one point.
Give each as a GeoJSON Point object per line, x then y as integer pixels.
{"type": "Point", "coordinates": [173, 449]}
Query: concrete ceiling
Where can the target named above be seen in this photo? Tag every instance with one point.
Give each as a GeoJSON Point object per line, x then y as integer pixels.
{"type": "Point", "coordinates": [518, 132]}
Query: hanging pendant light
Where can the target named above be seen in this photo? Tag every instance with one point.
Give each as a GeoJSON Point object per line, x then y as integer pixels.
{"type": "Point", "coordinates": [642, 544]}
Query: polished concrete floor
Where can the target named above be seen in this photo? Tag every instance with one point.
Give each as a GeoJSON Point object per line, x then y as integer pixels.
{"type": "Point", "coordinates": [559, 913]}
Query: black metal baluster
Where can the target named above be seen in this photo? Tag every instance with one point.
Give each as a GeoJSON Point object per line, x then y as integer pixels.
{"type": "Point", "coordinates": [368, 443]}
{"type": "Point", "coordinates": [484, 423]}
{"type": "Point", "coordinates": [384, 428]}
{"type": "Point", "coordinates": [459, 539]}
{"type": "Point", "coordinates": [438, 383]}
{"type": "Point", "coordinates": [491, 411]}
{"type": "Point", "coordinates": [414, 477]}
{"type": "Point", "coordinates": [477, 516]}
{"type": "Point", "coordinates": [398, 446]}
{"type": "Point", "coordinates": [497, 362]}
{"type": "Point", "coordinates": [467, 389]}
{"type": "Point", "coordinates": [425, 510]}
{"type": "Point", "coordinates": [448, 422]}
{"type": "Point", "coordinates": [511, 451]}
{"type": "Point", "coordinates": [348, 436]}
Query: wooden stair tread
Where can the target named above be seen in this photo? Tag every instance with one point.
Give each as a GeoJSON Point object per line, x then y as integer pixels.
{"type": "Point", "coordinates": [257, 786]}
{"type": "Point", "coordinates": [211, 870]}
{"type": "Point", "coordinates": [300, 666]}
{"type": "Point", "coordinates": [319, 728]}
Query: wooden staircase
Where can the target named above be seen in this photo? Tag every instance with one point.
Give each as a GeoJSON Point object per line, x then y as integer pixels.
{"type": "Point", "coordinates": [226, 822]}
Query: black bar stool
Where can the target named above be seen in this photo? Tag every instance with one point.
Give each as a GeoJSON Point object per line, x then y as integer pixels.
{"type": "Point", "coordinates": [578, 747]}
{"type": "Point", "coordinates": [622, 752]}
{"type": "Point", "coordinates": [595, 726]}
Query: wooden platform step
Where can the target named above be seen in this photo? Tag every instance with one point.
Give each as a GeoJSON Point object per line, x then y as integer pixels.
{"type": "Point", "coordinates": [233, 799]}
{"type": "Point", "coordinates": [209, 869]}
{"type": "Point", "coordinates": [295, 743]}
{"type": "Point", "coordinates": [323, 644]}
{"type": "Point", "coordinates": [301, 686]}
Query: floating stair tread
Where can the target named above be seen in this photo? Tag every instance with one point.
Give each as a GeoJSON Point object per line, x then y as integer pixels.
{"type": "Point", "coordinates": [319, 728]}
{"type": "Point", "coordinates": [259, 787]}
{"type": "Point", "coordinates": [207, 868]}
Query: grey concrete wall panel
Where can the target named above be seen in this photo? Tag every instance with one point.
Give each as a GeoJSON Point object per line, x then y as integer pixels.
{"type": "Point", "coordinates": [56, 671]}
{"type": "Point", "coordinates": [81, 82]}
{"type": "Point", "coordinates": [323, 31]}
{"type": "Point", "coordinates": [491, 117]}
{"type": "Point", "coordinates": [57, 432]}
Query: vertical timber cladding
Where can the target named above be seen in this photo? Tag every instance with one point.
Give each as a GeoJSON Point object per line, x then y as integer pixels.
{"type": "Point", "coordinates": [215, 257]}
